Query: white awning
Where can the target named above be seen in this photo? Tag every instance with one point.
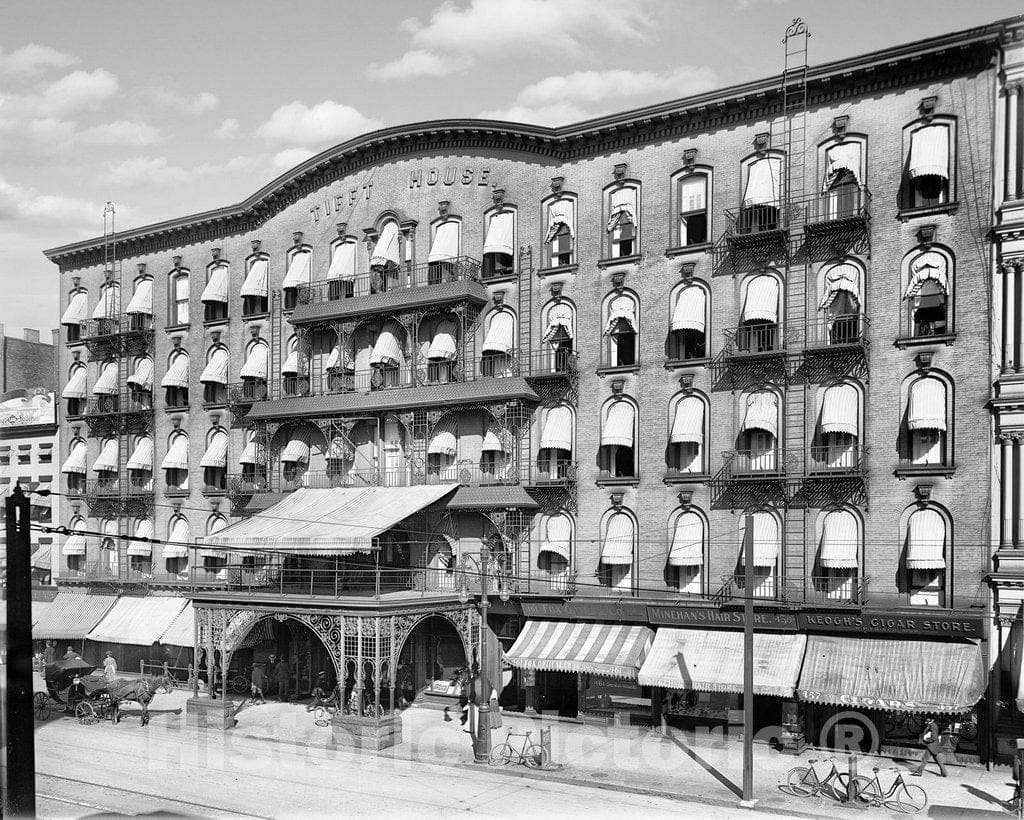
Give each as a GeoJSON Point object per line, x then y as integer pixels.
{"type": "Point", "coordinates": [927, 410]}
{"type": "Point", "coordinates": [387, 251]}
{"type": "Point", "coordinates": [558, 536]}
{"type": "Point", "coordinates": [343, 262]}
{"type": "Point", "coordinates": [256, 363]}
{"type": "Point", "coordinates": [764, 183]}
{"type": "Point", "coordinates": [762, 302]}
{"type": "Point", "coordinates": [71, 615]}
{"type": "Point", "coordinates": [765, 538]}
{"type": "Point", "coordinates": [109, 304]}
{"type": "Point", "coordinates": [618, 425]}
{"type": "Point", "coordinates": [177, 455]}
{"type": "Point", "coordinates": [926, 540]}
{"type": "Point", "coordinates": [142, 378]}
{"type": "Point", "coordinates": [216, 454]}
{"type": "Point", "coordinates": [74, 545]}
{"type": "Point", "coordinates": [339, 359]}
{"type": "Point", "coordinates": [217, 287]}
{"type": "Point", "coordinates": [142, 456]}
{"type": "Point", "coordinates": [215, 526]}
{"type": "Point", "coordinates": [622, 308]}
{"type": "Point", "coordinates": [338, 521]}
{"type": "Point", "coordinates": [500, 233]}
{"type": "Point", "coordinates": [617, 547]}
{"type": "Point", "coordinates": [216, 370]}
{"type": "Point", "coordinates": [840, 543]}
{"type": "Point", "coordinates": [929, 152]}
{"type": "Point", "coordinates": [177, 373]}
{"type": "Point", "coordinates": [252, 453]}
{"type": "Point", "coordinates": [762, 413]}
{"type": "Point", "coordinates": [75, 388]}
{"type": "Point", "coordinates": [75, 462]}
{"type": "Point", "coordinates": [142, 299]}
{"type": "Point", "coordinates": [690, 309]}
{"type": "Point", "coordinates": [106, 462]}
{"type": "Point", "coordinates": [609, 650]}
{"type": "Point", "coordinates": [143, 529]}
{"type": "Point", "coordinates": [106, 384]}
{"type": "Point", "coordinates": [501, 333]}
{"type": "Point", "coordinates": [496, 439]}
{"type": "Point", "coordinates": [842, 277]}
{"type": "Point", "coordinates": [688, 422]}
{"type": "Point", "coordinates": [623, 209]}
{"type": "Point", "coordinates": [444, 345]}
{"type": "Point", "coordinates": [446, 242]}
{"type": "Point", "coordinates": [557, 432]}
{"type": "Point", "coordinates": [387, 350]}
{"type": "Point", "coordinates": [291, 364]}
{"type": "Point", "coordinates": [560, 321]}
{"type": "Point", "coordinates": [180, 536]}
{"type": "Point", "coordinates": [687, 542]}
{"type": "Point", "coordinates": [182, 631]}
{"type": "Point", "coordinates": [839, 159]}
{"type": "Point", "coordinates": [445, 438]}
{"type": "Point", "coordinates": [256, 280]}
{"type": "Point", "coordinates": [840, 410]}
{"type": "Point", "coordinates": [296, 451]}
{"type": "Point", "coordinates": [560, 212]}
{"type": "Point", "coordinates": [929, 265]}
{"type": "Point", "coordinates": [298, 271]}
{"type": "Point", "coordinates": [77, 310]}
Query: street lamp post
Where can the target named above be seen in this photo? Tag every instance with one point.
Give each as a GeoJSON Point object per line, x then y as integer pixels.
{"type": "Point", "coordinates": [482, 737]}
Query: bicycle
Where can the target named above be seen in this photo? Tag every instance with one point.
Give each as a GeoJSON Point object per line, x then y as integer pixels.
{"type": "Point", "coordinates": [908, 798]}
{"type": "Point", "coordinates": [531, 755]}
{"type": "Point", "coordinates": [803, 781]}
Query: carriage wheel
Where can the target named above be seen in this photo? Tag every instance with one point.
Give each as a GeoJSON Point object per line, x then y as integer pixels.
{"type": "Point", "coordinates": [86, 714]}
{"type": "Point", "coordinates": [41, 706]}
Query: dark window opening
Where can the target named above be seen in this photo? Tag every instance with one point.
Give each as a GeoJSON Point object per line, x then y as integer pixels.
{"type": "Point", "coordinates": [213, 311]}
{"type": "Point", "coordinates": [215, 393]}
{"type": "Point", "coordinates": [74, 332]}
{"type": "Point", "coordinates": [687, 344]}
{"type": "Point", "coordinates": [215, 478]}
{"type": "Point", "coordinates": [562, 247]}
{"type": "Point", "coordinates": [618, 461]}
{"type": "Point", "coordinates": [176, 396]}
{"type": "Point", "coordinates": [928, 310]}
{"type": "Point", "coordinates": [929, 190]}
{"type": "Point", "coordinates": [254, 305]}
{"type": "Point", "coordinates": [759, 218]}
{"type": "Point", "coordinates": [757, 337]}
{"type": "Point", "coordinates": [291, 297]}
{"type": "Point", "coordinates": [497, 264]}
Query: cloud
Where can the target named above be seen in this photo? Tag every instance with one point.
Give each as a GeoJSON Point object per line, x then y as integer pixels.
{"type": "Point", "coordinates": [417, 63]}
{"type": "Point", "coordinates": [187, 104]}
{"type": "Point", "coordinates": [555, 114]}
{"type": "Point", "coordinates": [160, 171]}
{"type": "Point", "coordinates": [290, 157]}
{"type": "Point", "coordinates": [33, 59]}
{"type": "Point", "coordinates": [325, 122]}
{"type": "Point", "coordinates": [19, 204]}
{"type": "Point", "coordinates": [120, 132]}
{"type": "Point", "coordinates": [77, 91]}
{"type": "Point", "coordinates": [229, 129]}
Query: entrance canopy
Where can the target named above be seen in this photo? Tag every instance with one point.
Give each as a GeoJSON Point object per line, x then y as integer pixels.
{"type": "Point", "coordinates": [612, 650]}
{"type": "Point", "coordinates": [892, 675]}
{"type": "Point", "coordinates": [337, 521]}
{"type": "Point", "coordinates": [712, 661]}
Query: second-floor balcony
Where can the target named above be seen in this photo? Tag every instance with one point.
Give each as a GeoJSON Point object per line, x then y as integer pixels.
{"type": "Point", "coordinates": [772, 463]}
{"type": "Point", "coordinates": [837, 208]}
{"type": "Point", "coordinates": [755, 339]}
{"type": "Point", "coordinates": [119, 404]}
{"type": "Point", "coordinates": [123, 324]}
{"type": "Point", "coordinates": [117, 487]}
{"type": "Point", "coordinates": [137, 572]}
{"type": "Point", "coordinates": [837, 333]}
{"type": "Point", "coordinates": [825, 591]}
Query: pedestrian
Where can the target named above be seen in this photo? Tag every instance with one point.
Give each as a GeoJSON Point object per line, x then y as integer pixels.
{"type": "Point", "coordinates": [76, 694]}
{"type": "Point", "coordinates": [283, 674]}
{"type": "Point", "coordinates": [71, 654]}
{"type": "Point", "coordinates": [50, 653]}
{"type": "Point", "coordinates": [271, 688]}
{"type": "Point", "coordinates": [319, 693]}
{"type": "Point", "coordinates": [109, 667]}
{"type": "Point", "coordinates": [930, 739]}
{"type": "Point", "coordinates": [259, 680]}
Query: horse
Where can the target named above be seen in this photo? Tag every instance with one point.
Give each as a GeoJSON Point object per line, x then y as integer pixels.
{"type": "Point", "coordinates": [140, 690]}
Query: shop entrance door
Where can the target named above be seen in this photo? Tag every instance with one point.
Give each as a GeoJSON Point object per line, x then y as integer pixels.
{"type": "Point", "coordinates": [558, 692]}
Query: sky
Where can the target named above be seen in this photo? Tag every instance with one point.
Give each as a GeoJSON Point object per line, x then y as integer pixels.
{"type": "Point", "coordinates": [172, 108]}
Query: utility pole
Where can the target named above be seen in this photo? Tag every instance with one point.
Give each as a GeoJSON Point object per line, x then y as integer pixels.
{"type": "Point", "coordinates": [20, 774]}
{"type": "Point", "coordinates": [748, 662]}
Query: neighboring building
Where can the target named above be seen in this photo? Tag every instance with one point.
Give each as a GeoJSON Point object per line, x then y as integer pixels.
{"type": "Point", "coordinates": [467, 334]}
{"type": "Point", "coordinates": [28, 362]}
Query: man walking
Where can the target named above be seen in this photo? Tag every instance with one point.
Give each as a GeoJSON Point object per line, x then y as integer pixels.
{"type": "Point", "coordinates": [282, 674]}
{"type": "Point", "coordinates": [930, 741]}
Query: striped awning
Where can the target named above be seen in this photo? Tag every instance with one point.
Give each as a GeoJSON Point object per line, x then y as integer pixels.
{"type": "Point", "coordinates": [216, 454]}
{"type": "Point", "coordinates": [75, 543]}
{"type": "Point", "coordinates": [215, 526]}
{"type": "Point", "coordinates": [765, 538]}
{"type": "Point", "coordinates": [182, 631]}
{"type": "Point", "coordinates": [298, 271]}
{"type": "Point", "coordinates": [143, 529]}
{"type": "Point", "coordinates": [142, 456]}
{"type": "Point", "coordinates": [177, 454]}
{"type": "Point", "coordinates": [216, 370]}
{"type": "Point", "coordinates": [77, 310]}
{"type": "Point", "coordinates": [496, 440]}
{"type": "Point", "coordinates": [257, 363]}
{"type": "Point", "coordinates": [558, 536]}
{"type": "Point", "coordinates": [610, 650]}
{"type": "Point", "coordinates": [893, 675]}
{"type": "Point", "coordinates": [296, 451]}
{"type": "Point", "coordinates": [179, 537]}
{"type": "Point", "coordinates": [75, 462]}
{"type": "Point", "coordinates": [842, 277]}
{"type": "Point", "coordinates": [386, 251]}
{"type": "Point", "coordinates": [41, 559]}
{"type": "Point", "coordinates": [839, 159]}
{"type": "Point", "coordinates": [621, 309]}
{"type": "Point", "coordinates": [252, 453]}
{"type": "Point", "coordinates": [762, 302]}
{"type": "Point", "coordinates": [177, 373]}
{"type": "Point", "coordinates": [343, 262]}
{"type": "Point", "coordinates": [339, 358]}
{"type": "Point", "coordinates": [557, 432]}
{"type": "Point", "coordinates": [619, 536]}
{"type": "Point", "coordinates": [687, 541]}
{"type": "Point", "coordinates": [142, 299]}
{"type": "Point", "coordinates": [106, 462]}
{"type": "Point", "coordinates": [446, 242]}
{"type": "Point", "coordinates": [618, 425]}
{"type": "Point", "coordinates": [688, 422]}
{"type": "Point", "coordinates": [500, 233]}
{"type": "Point", "coordinates": [445, 438]}
{"type": "Point", "coordinates": [216, 289]}
{"type": "Point", "coordinates": [137, 621]}
{"type": "Point", "coordinates": [71, 616]}
{"type": "Point", "coordinates": [762, 413]}
{"type": "Point", "coordinates": [106, 384]}
{"type": "Point", "coordinates": [142, 378]}
{"type": "Point", "coordinates": [840, 541]}
{"type": "Point", "coordinates": [501, 333]}
{"type": "Point", "coordinates": [444, 345]}
{"type": "Point", "coordinates": [928, 265]}
{"type": "Point", "coordinates": [622, 209]}
{"type": "Point", "coordinates": [690, 309]}
{"type": "Point", "coordinates": [926, 540]}
{"type": "Point", "coordinates": [929, 152]}
{"type": "Point", "coordinates": [840, 410]}
{"type": "Point", "coordinates": [75, 388]}
{"type": "Point", "coordinates": [927, 406]}
{"type": "Point", "coordinates": [560, 212]}
{"type": "Point", "coordinates": [560, 323]}
{"type": "Point", "coordinates": [109, 304]}
{"type": "Point", "coordinates": [764, 182]}
{"type": "Point", "coordinates": [387, 350]}
{"type": "Point", "coordinates": [256, 280]}
{"type": "Point", "coordinates": [291, 364]}
{"type": "Point", "coordinates": [712, 661]}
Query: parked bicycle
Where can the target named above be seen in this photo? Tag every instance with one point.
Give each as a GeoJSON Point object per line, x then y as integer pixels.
{"type": "Point", "coordinates": [531, 755]}
{"type": "Point", "coordinates": [908, 798]}
{"type": "Point", "coordinates": [803, 781]}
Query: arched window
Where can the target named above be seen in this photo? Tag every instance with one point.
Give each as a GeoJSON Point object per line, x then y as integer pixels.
{"type": "Point", "coordinates": [843, 177]}
{"type": "Point", "coordinates": [294, 374]}
{"type": "Point", "coordinates": [215, 461]}
{"type": "Point", "coordinates": [140, 465]}
{"type": "Point", "coordinates": [759, 319]}
{"type": "Point", "coordinates": [107, 464]}
{"type": "Point", "coordinates": [687, 429]}
{"type": "Point", "coordinates": [837, 568]}
{"type": "Point", "coordinates": [499, 344]}
{"type": "Point", "coordinates": [558, 318]}
{"type": "Point", "coordinates": [928, 550]}
{"type": "Point", "coordinates": [556, 448]}
{"type": "Point", "coordinates": [254, 371]}
{"type": "Point", "coordinates": [298, 274]}
{"type": "Point", "coordinates": [928, 273]}
{"type": "Point", "coordinates": [757, 444]}
{"type": "Point", "coordinates": [75, 389]}
{"type": "Point", "coordinates": [445, 249]}
{"type": "Point", "coordinates": [836, 447]}
{"type": "Point", "coordinates": [294, 455]}
{"type": "Point", "coordinates": [75, 314]}
{"type": "Point", "coordinates": [74, 549]}
{"type": "Point", "coordinates": [929, 147]}
{"type": "Point", "coordinates": [214, 377]}
{"type": "Point", "coordinates": [140, 550]}
{"type": "Point", "coordinates": [341, 275]}
{"type": "Point", "coordinates": [618, 551]}
{"type": "Point", "coordinates": [178, 303]}
{"type": "Point", "coordinates": [762, 194]}
{"type": "Point", "coordinates": [388, 357]}
{"type": "Point", "coordinates": [175, 551]}
{"type": "Point", "coordinates": [687, 337]}
{"type": "Point", "coordinates": [253, 460]}
{"type": "Point", "coordinates": [761, 529]}
{"type": "Point", "coordinates": [621, 330]}
{"type": "Point", "coordinates": [175, 380]}
{"type": "Point", "coordinates": [105, 388]}
{"type": "Point", "coordinates": [255, 290]}
{"type": "Point", "coordinates": [140, 306]}
{"type": "Point", "coordinates": [175, 462]}
{"type": "Point", "coordinates": [439, 336]}
{"type": "Point", "coordinates": [840, 285]}
{"type": "Point", "coordinates": [554, 555]}
{"type": "Point", "coordinates": [692, 192]}
{"type": "Point", "coordinates": [618, 451]}
{"type": "Point", "coordinates": [74, 467]}
{"type": "Point", "coordinates": [443, 448]}
{"type": "Point", "coordinates": [215, 561]}
{"type": "Point", "coordinates": [622, 226]}
{"type": "Point", "coordinates": [560, 231]}
{"type": "Point", "coordinates": [926, 423]}
{"type": "Point", "coordinates": [686, 555]}
{"type": "Point", "coordinates": [496, 453]}
{"type": "Point", "coordinates": [140, 383]}
{"type": "Point", "coordinates": [109, 547]}
{"type": "Point", "coordinates": [107, 312]}
{"type": "Point", "coordinates": [216, 293]}
{"type": "Point", "coordinates": [499, 243]}
{"type": "Point", "coordinates": [386, 258]}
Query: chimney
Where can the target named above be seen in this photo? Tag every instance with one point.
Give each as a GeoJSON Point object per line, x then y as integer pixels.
{"type": "Point", "coordinates": [31, 335]}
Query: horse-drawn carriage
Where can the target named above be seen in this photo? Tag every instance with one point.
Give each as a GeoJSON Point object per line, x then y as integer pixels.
{"type": "Point", "coordinates": [98, 699]}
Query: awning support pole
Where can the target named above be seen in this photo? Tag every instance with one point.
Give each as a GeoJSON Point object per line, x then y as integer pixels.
{"type": "Point", "coordinates": [748, 662]}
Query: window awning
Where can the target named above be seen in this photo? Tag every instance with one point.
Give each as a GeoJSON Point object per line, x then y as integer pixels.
{"type": "Point", "coordinates": [840, 542]}
{"type": "Point", "coordinates": [927, 406]}
{"type": "Point", "coordinates": [617, 547]}
{"type": "Point", "coordinates": [75, 543]}
{"type": "Point", "coordinates": [75, 462]}
{"type": "Point", "coordinates": [622, 308]}
{"type": "Point", "coordinates": [256, 363]}
{"type": "Point", "coordinates": [687, 542]}
{"type": "Point", "coordinates": [216, 370]}
{"type": "Point", "coordinates": [177, 373]}
{"type": "Point", "coordinates": [839, 159]}
{"type": "Point", "coordinates": [142, 299]}
{"type": "Point", "coordinates": [690, 310]}
{"type": "Point", "coordinates": [926, 540]}
{"type": "Point", "coordinates": [142, 378]}
{"type": "Point", "coordinates": [339, 359]}
{"type": "Point", "coordinates": [142, 456]}
{"type": "Point", "coordinates": [839, 410]}
{"type": "Point", "coordinates": [387, 350]}
{"type": "Point", "coordinates": [446, 242]}
{"type": "Point", "coordinates": [71, 616]}
{"type": "Point", "coordinates": [712, 661]}
{"type": "Point", "coordinates": [444, 345]}
{"type": "Point", "coordinates": [338, 521]}
{"type": "Point", "coordinates": [496, 440]}
{"type": "Point", "coordinates": [892, 675]}
{"type": "Point", "coordinates": [623, 209]}
{"type": "Point", "coordinates": [256, 280]}
{"type": "Point", "coordinates": [182, 631]}
{"type": "Point", "coordinates": [75, 388]}
{"type": "Point", "coordinates": [500, 233]}
{"type": "Point", "coordinates": [558, 536]}
{"type": "Point", "coordinates": [291, 364]}
{"type": "Point", "coordinates": [109, 304]}
{"type": "Point", "coordinates": [445, 438]}
{"type": "Point", "coordinates": [77, 310]}
{"type": "Point", "coordinates": [929, 152]}
{"type": "Point", "coordinates": [106, 384]}
{"type": "Point", "coordinates": [618, 426]}
{"type": "Point", "coordinates": [179, 538]}
{"type": "Point", "coordinates": [688, 422]}
{"type": "Point", "coordinates": [501, 333]}
{"type": "Point", "coordinates": [41, 559]}
{"type": "Point", "coordinates": [765, 538]}
{"type": "Point", "coordinates": [217, 288]}
{"type": "Point", "coordinates": [610, 650]}
{"type": "Point", "coordinates": [216, 454]}
{"type": "Point", "coordinates": [296, 451]}
{"type": "Point", "coordinates": [215, 526]}
{"type": "Point", "coordinates": [762, 413]}
{"type": "Point", "coordinates": [137, 621]}
{"type": "Point", "coordinates": [343, 262]}
{"type": "Point", "coordinates": [143, 529]}
{"type": "Point", "coordinates": [557, 432]}
{"type": "Point", "coordinates": [106, 462]}
{"type": "Point", "coordinates": [386, 251]}
{"type": "Point", "coordinates": [928, 265]}
{"type": "Point", "coordinates": [762, 302]}
{"type": "Point", "coordinates": [842, 277]}
{"type": "Point", "coordinates": [560, 321]}
{"type": "Point", "coordinates": [177, 454]}
{"type": "Point", "coordinates": [560, 213]}
{"type": "Point", "coordinates": [764, 183]}
{"type": "Point", "coordinates": [298, 271]}
{"type": "Point", "coordinates": [252, 453]}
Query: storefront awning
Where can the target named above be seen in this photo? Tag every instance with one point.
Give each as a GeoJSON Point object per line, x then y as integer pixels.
{"type": "Point", "coordinates": [75, 387]}
{"type": "Point", "coordinates": [216, 454]}
{"type": "Point", "coordinates": [256, 363]}
{"type": "Point", "coordinates": [500, 232]}
{"type": "Point", "coordinates": [556, 434]}
{"type": "Point", "coordinates": [688, 422]}
{"type": "Point", "coordinates": [892, 675]}
{"type": "Point", "coordinates": [216, 370]}
{"type": "Point", "coordinates": [762, 413]}
{"type": "Point", "coordinates": [929, 152]}
{"type": "Point", "coordinates": [386, 250]}
{"type": "Point", "coordinates": [926, 540]}
{"type": "Point", "coordinates": [501, 333]}
{"type": "Point", "coordinates": [71, 616]}
{"type": "Point", "coordinates": [927, 406]}
{"type": "Point", "coordinates": [298, 271]}
{"type": "Point", "coordinates": [216, 289]}
{"type": "Point", "coordinates": [77, 310]}
{"type": "Point", "coordinates": [141, 457]}
{"type": "Point", "coordinates": [687, 542]}
{"type": "Point", "coordinates": [446, 242]}
{"type": "Point", "coordinates": [106, 384]}
{"type": "Point", "coordinates": [690, 309]}
{"type": "Point", "coordinates": [75, 462]}
{"type": "Point", "coordinates": [558, 536]}
{"type": "Point", "coordinates": [137, 621]}
{"type": "Point", "coordinates": [343, 262]}
{"type": "Point", "coordinates": [762, 302]}
{"type": "Point", "coordinates": [444, 345]}
{"type": "Point", "coordinates": [618, 426]}
{"type": "Point", "coordinates": [256, 280]}
{"type": "Point", "coordinates": [619, 536]}
{"type": "Point", "coordinates": [177, 373]}
{"type": "Point", "coordinates": [182, 631]}
{"type": "Point", "coordinates": [338, 521]}
{"type": "Point", "coordinates": [610, 650]}
{"type": "Point", "coordinates": [387, 350]}
{"type": "Point", "coordinates": [840, 541]}
{"type": "Point", "coordinates": [839, 410]}
{"type": "Point", "coordinates": [106, 462]}
{"type": "Point", "coordinates": [712, 661]}
{"type": "Point", "coordinates": [142, 299]}
{"type": "Point", "coordinates": [143, 529]}
{"type": "Point", "coordinates": [142, 378]}
{"type": "Point", "coordinates": [764, 183]}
